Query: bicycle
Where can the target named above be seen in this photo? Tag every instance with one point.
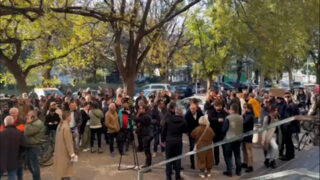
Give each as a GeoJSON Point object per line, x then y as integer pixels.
{"type": "Point", "coordinates": [310, 131]}
{"type": "Point", "coordinates": [46, 153]}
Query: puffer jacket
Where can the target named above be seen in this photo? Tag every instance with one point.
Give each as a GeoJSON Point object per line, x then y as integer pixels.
{"type": "Point", "coordinates": [95, 118]}
{"type": "Point", "coordinates": [35, 133]}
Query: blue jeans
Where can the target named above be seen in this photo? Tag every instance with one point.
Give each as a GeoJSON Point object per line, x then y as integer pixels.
{"type": "Point", "coordinates": [12, 174]}
{"type": "Point", "coordinates": [20, 173]}
{"type": "Point", "coordinates": [228, 150]}
{"type": "Point", "coordinates": [156, 140]}
{"type": "Point", "coordinates": [32, 154]}
{"type": "Point", "coordinates": [52, 136]}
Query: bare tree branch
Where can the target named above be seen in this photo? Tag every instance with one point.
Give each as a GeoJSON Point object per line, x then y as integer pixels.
{"type": "Point", "coordinates": [170, 16]}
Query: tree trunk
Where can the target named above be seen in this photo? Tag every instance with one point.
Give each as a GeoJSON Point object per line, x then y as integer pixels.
{"type": "Point", "coordinates": [256, 76]}
{"type": "Point", "coordinates": [261, 84]}
{"type": "Point", "coordinates": [317, 67]}
{"type": "Point", "coordinates": [239, 69]}
{"type": "Point", "coordinates": [46, 75]}
{"type": "Point", "coordinates": [209, 83]}
{"type": "Point", "coordinates": [290, 73]}
{"type": "Point", "coordinates": [21, 82]}
{"type": "Point", "coordinates": [128, 83]}
{"type": "Point", "coordinates": [94, 75]}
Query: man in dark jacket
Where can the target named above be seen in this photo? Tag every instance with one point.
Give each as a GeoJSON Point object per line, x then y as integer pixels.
{"type": "Point", "coordinates": [234, 100]}
{"type": "Point", "coordinates": [288, 129]}
{"type": "Point", "coordinates": [84, 127]}
{"type": "Point", "coordinates": [192, 117]}
{"type": "Point", "coordinates": [248, 122]}
{"type": "Point", "coordinates": [158, 113]}
{"type": "Point", "coordinates": [171, 138]}
{"type": "Point", "coordinates": [144, 120]}
{"type": "Point", "coordinates": [51, 122]}
{"type": "Point", "coordinates": [217, 117]}
{"type": "Point", "coordinates": [12, 143]}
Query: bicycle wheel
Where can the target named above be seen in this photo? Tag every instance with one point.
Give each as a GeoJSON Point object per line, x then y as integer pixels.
{"type": "Point", "coordinates": [295, 140]}
{"type": "Point", "coordinates": [304, 141]}
{"type": "Point", "coordinates": [46, 153]}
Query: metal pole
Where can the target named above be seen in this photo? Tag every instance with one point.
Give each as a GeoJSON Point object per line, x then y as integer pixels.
{"type": "Point", "coordinates": [308, 74]}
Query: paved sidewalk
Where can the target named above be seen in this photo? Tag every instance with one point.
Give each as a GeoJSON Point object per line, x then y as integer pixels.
{"type": "Point", "coordinates": [104, 167]}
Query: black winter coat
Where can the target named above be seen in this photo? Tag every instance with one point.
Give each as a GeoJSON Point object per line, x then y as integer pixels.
{"type": "Point", "coordinates": [248, 121]}
{"type": "Point", "coordinates": [216, 126]}
{"type": "Point", "coordinates": [173, 129]}
{"type": "Point", "coordinates": [144, 121]}
{"type": "Point", "coordinates": [12, 146]}
{"type": "Point", "coordinates": [293, 110]}
{"type": "Point", "coordinates": [191, 122]}
{"type": "Point", "coordinates": [85, 118]}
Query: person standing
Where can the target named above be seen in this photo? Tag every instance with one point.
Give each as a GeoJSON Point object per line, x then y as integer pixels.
{"type": "Point", "coordinates": [158, 113]}
{"type": "Point", "coordinates": [34, 132]}
{"type": "Point", "coordinates": [290, 128]}
{"type": "Point", "coordinates": [64, 149]}
{"type": "Point", "coordinates": [217, 116]}
{"type": "Point", "coordinates": [255, 106]}
{"type": "Point", "coordinates": [192, 117]}
{"type": "Point", "coordinates": [85, 127]}
{"type": "Point", "coordinates": [268, 140]}
{"type": "Point", "coordinates": [141, 98]}
{"type": "Point", "coordinates": [248, 122]}
{"type": "Point", "coordinates": [52, 121]}
{"type": "Point", "coordinates": [302, 99]}
{"type": "Point", "coordinates": [234, 128]}
{"type": "Point", "coordinates": [75, 124]}
{"type": "Point", "coordinates": [171, 138]}
{"type": "Point", "coordinates": [95, 126]}
{"type": "Point", "coordinates": [12, 143]}
{"type": "Point", "coordinates": [125, 135]}
{"type": "Point", "coordinates": [112, 123]}
{"type": "Point", "coordinates": [145, 121]}
{"type": "Point", "coordinates": [234, 100]}
{"type": "Point", "coordinates": [19, 122]}
{"type": "Point", "coordinates": [203, 135]}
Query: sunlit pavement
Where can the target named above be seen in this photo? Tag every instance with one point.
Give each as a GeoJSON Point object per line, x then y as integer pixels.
{"type": "Point", "coordinates": [104, 167]}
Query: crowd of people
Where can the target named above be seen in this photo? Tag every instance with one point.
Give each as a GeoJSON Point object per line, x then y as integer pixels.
{"type": "Point", "coordinates": [75, 123]}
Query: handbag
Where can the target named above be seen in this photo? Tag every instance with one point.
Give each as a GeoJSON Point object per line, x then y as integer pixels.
{"type": "Point", "coordinates": [195, 146]}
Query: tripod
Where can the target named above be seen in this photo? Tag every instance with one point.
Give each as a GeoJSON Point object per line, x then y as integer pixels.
{"type": "Point", "coordinates": [135, 156]}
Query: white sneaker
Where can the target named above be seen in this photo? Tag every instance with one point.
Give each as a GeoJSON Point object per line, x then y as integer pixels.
{"type": "Point", "coordinates": [209, 175]}
{"type": "Point", "coordinates": [202, 175]}
{"type": "Point", "coordinates": [154, 155]}
{"type": "Point", "coordinates": [86, 150]}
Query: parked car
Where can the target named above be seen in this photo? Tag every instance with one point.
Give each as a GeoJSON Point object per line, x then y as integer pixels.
{"type": "Point", "coordinates": [297, 85]}
{"type": "Point", "coordinates": [147, 93]}
{"type": "Point", "coordinates": [226, 86]}
{"type": "Point", "coordinates": [310, 86]}
{"type": "Point", "coordinates": [46, 91]}
{"type": "Point", "coordinates": [284, 85]}
{"type": "Point", "coordinates": [182, 90]}
{"type": "Point", "coordinates": [157, 86]}
{"type": "Point", "coordinates": [184, 103]}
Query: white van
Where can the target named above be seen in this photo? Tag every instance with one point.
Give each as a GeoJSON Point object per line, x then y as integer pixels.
{"type": "Point", "coordinates": [46, 91]}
